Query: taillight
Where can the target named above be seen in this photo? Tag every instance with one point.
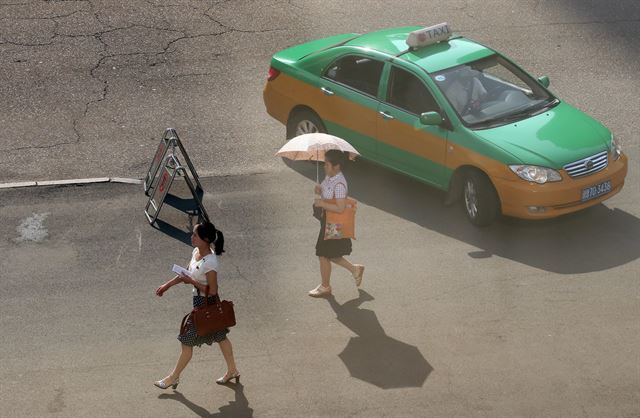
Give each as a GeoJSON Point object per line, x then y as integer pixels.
{"type": "Point", "coordinates": [273, 74]}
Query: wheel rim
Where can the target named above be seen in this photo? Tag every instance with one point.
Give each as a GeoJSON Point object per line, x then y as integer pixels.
{"type": "Point", "coordinates": [306, 127]}
{"type": "Point", "coordinates": [471, 199]}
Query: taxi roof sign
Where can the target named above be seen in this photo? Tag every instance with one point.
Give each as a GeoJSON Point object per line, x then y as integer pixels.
{"type": "Point", "coordinates": [430, 35]}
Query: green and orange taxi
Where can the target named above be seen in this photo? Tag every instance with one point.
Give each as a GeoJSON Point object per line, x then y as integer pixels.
{"type": "Point", "coordinates": [451, 113]}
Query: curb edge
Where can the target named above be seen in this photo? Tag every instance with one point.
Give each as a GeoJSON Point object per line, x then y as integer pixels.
{"type": "Point", "coordinates": [69, 182]}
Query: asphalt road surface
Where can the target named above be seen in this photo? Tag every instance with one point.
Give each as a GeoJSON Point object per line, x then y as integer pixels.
{"type": "Point", "coordinates": [88, 87]}
{"type": "Point", "coordinates": [518, 319]}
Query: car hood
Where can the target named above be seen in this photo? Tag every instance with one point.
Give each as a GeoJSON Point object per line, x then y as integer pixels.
{"type": "Point", "coordinates": [552, 139]}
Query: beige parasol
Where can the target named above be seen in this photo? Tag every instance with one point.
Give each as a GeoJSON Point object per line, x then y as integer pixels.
{"type": "Point", "coordinates": [312, 147]}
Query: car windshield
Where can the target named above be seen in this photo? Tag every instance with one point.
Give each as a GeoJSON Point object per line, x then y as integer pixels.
{"type": "Point", "coordinates": [492, 92]}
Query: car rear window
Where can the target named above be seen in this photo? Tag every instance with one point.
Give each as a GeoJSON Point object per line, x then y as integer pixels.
{"type": "Point", "coordinates": [357, 72]}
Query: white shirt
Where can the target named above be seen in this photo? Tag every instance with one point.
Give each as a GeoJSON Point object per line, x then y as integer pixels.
{"type": "Point", "coordinates": [334, 187]}
{"type": "Point", "coordinates": [198, 269]}
{"type": "Point", "coordinates": [461, 97]}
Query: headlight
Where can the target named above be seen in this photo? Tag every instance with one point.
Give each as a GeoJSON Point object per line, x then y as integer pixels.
{"type": "Point", "coordinates": [536, 174]}
{"type": "Point", "coordinates": [616, 149]}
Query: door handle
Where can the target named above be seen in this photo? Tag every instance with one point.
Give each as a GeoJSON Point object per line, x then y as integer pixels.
{"type": "Point", "coordinates": [386, 115]}
{"type": "Point", "coordinates": [327, 92]}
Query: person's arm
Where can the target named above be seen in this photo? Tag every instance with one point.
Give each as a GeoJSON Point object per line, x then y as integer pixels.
{"type": "Point", "coordinates": [340, 193]}
{"type": "Point", "coordinates": [212, 280]}
{"type": "Point", "coordinates": [338, 207]}
{"type": "Point", "coordinates": [160, 290]}
{"type": "Point", "coordinates": [211, 288]}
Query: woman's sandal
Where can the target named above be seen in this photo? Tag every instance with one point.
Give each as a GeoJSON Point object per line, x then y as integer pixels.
{"type": "Point", "coordinates": [320, 291]}
{"type": "Point", "coordinates": [163, 385]}
{"type": "Point", "coordinates": [358, 274]}
{"type": "Point", "coordinates": [223, 381]}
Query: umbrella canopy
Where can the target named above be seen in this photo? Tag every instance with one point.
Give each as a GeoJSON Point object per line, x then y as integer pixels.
{"type": "Point", "coordinates": [313, 146]}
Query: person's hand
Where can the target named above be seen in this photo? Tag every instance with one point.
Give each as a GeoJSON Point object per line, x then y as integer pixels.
{"type": "Point", "coordinates": [317, 203]}
{"type": "Point", "coordinates": [160, 291]}
{"type": "Point", "coordinates": [317, 189]}
{"type": "Point", "coordinates": [186, 279]}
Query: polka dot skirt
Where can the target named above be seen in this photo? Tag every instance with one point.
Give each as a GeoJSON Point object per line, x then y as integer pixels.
{"type": "Point", "coordinates": [191, 338]}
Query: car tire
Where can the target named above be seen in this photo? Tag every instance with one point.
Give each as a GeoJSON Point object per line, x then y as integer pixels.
{"type": "Point", "coordinates": [479, 199]}
{"type": "Point", "coordinates": [304, 122]}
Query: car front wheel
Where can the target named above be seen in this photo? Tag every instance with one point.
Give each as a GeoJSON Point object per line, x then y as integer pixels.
{"type": "Point", "coordinates": [480, 199]}
{"type": "Point", "coordinates": [304, 122]}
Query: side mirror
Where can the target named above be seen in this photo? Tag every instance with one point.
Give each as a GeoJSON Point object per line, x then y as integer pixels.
{"type": "Point", "coordinates": [431, 118]}
{"type": "Point", "coordinates": [544, 80]}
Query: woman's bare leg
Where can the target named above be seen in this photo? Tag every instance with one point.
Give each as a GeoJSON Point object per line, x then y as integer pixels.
{"type": "Point", "coordinates": [227, 353]}
{"type": "Point", "coordinates": [357, 270]}
{"type": "Point", "coordinates": [183, 360]}
{"type": "Point", "coordinates": [325, 271]}
{"type": "Point", "coordinates": [343, 262]}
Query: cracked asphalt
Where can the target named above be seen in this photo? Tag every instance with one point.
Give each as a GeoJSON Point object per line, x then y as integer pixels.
{"type": "Point", "coordinates": [518, 319]}
{"type": "Point", "coordinates": [88, 86]}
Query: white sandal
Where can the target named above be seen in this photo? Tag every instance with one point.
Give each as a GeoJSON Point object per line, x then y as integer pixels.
{"type": "Point", "coordinates": [223, 381]}
{"type": "Point", "coordinates": [358, 274]}
{"type": "Point", "coordinates": [162, 385]}
{"type": "Point", "coordinates": [320, 291]}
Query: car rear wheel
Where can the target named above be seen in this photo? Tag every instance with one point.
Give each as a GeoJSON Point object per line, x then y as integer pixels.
{"type": "Point", "coordinates": [304, 122]}
{"type": "Point", "coordinates": [480, 199]}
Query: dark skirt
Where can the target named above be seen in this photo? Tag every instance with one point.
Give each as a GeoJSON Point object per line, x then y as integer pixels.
{"type": "Point", "coordinates": [191, 338]}
{"type": "Point", "coordinates": [331, 248]}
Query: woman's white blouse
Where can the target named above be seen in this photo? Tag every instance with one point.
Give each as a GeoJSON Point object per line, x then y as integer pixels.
{"type": "Point", "coordinates": [198, 269]}
{"type": "Point", "coordinates": [334, 187]}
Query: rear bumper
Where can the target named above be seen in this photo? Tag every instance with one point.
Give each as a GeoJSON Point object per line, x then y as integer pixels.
{"type": "Point", "coordinates": [557, 198]}
{"type": "Point", "coordinates": [277, 104]}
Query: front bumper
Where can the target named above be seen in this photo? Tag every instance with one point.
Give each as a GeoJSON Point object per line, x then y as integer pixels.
{"type": "Point", "coordinates": [557, 198]}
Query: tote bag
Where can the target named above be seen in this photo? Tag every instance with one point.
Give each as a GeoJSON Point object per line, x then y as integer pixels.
{"type": "Point", "coordinates": [341, 225]}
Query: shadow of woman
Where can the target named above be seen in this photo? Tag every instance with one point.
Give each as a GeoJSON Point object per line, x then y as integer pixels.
{"type": "Point", "coordinates": [237, 408]}
{"type": "Point", "coordinates": [373, 356]}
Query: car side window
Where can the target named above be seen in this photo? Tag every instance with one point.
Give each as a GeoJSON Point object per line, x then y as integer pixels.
{"type": "Point", "coordinates": [407, 92]}
{"type": "Point", "coordinates": [357, 72]}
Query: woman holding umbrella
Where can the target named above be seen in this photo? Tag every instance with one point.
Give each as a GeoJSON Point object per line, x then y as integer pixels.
{"type": "Point", "coordinates": [333, 189]}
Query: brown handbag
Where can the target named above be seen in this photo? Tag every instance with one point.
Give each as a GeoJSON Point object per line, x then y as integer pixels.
{"type": "Point", "coordinates": [211, 317]}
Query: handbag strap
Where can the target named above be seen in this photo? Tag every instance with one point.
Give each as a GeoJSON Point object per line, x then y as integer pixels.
{"type": "Point", "coordinates": [351, 203]}
{"type": "Point", "coordinates": [184, 323]}
{"type": "Point", "coordinates": [198, 291]}
{"type": "Point", "coordinates": [216, 297]}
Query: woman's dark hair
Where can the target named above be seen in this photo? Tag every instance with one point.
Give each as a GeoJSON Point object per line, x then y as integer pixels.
{"type": "Point", "coordinates": [336, 157]}
{"type": "Point", "coordinates": [208, 232]}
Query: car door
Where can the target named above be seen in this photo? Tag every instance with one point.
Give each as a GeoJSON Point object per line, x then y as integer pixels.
{"type": "Point", "coordinates": [350, 87]}
{"type": "Point", "coordinates": [405, 144]}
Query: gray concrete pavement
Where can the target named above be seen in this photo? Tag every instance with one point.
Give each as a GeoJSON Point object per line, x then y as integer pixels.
{"type": "Point", "coordinates": [520, 319]}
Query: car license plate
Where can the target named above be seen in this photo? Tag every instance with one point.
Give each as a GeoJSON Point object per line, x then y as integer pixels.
{"type": "Point", "coordinates": [597, 190]}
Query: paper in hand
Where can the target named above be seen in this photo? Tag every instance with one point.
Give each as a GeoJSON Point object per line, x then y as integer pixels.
{"type": "Point", "coordinates": [180, 270]}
